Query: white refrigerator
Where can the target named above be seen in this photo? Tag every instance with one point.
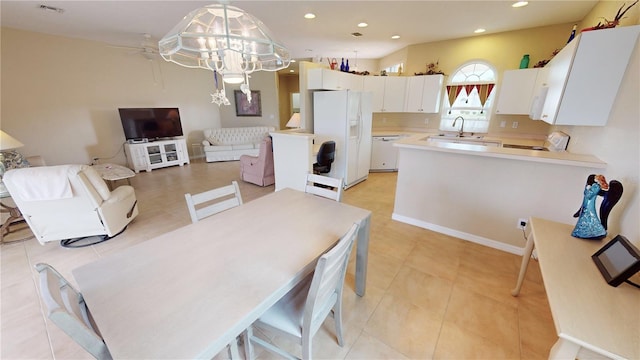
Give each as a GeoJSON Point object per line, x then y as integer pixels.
{"type": "Point", "coordinates": [345, 117]}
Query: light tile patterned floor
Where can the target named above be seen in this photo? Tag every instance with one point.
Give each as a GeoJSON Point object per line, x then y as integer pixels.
{"type": "Point", "coordinates": [429, 296]}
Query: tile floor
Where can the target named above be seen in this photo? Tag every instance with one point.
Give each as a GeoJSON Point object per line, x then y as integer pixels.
{"type": "Point", "coordinates": [429, 296]}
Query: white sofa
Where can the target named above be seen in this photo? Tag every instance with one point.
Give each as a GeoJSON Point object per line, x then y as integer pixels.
{"type": "Point", "coordinates": [224, 144]}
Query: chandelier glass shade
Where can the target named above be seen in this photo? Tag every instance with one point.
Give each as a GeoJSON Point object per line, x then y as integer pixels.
{"type": "Point", "coordinates": [226, 40]}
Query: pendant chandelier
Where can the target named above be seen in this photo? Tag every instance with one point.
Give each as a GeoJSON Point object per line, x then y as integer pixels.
{"type": "Point", "coordinates": [227, 41]}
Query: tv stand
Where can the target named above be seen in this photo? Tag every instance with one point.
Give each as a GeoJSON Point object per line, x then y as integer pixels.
{"type": "Point", "coordinates": [156, 154]}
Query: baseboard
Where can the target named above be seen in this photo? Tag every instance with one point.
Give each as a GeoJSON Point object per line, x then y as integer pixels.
{"type": "Point", "coordinates": [460, 235]}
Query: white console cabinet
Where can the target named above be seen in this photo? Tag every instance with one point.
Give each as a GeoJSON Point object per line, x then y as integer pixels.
{"type": "Point", "coordinates": [156, 154]}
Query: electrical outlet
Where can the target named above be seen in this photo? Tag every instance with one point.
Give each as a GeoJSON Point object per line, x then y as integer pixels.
{"type": "Point", "coordinates": [426, 121]}
{"type": "Point", "coordinates": [503, 123]}
{"type": "Point", "coordinates": [522, 223]}
{"type": "Point", "coordinates": [514, 125]}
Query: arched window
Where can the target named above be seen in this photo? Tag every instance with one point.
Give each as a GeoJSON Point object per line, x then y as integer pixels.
{"type": "Point", "coordinates": [470, 95]}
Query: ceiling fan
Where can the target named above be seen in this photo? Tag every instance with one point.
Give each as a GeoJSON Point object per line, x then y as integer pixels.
{"type": "Point", "coordinates": [148, 48]}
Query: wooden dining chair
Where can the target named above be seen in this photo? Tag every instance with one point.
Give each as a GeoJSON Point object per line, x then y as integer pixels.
{"type": "Point", "coordinates": [67, 309]}
{"type": "Point", "coordinates": [213, 201]}
{"type": "Point", "coordinates": [328, 187]}
{"type": "Point", "coordinates": [302, 311]}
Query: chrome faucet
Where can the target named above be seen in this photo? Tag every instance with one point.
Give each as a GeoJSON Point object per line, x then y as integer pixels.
{"type": "Point", "coordinates": [461, 127]}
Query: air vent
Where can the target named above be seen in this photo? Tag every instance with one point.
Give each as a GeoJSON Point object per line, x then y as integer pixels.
{"type": "Point", "coordinates": [50, 8]}
{"type": "Point", "coordinates": [356, 34]}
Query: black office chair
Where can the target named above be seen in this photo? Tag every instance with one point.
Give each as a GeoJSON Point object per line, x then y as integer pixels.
{"type": "Point", "coordinates": [326, 155]}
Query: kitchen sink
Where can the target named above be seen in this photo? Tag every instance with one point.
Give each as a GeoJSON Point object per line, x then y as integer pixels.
{"type": "Point", "coordinates": [464, 139]}
{"type": "Point", "coordinates": [457, 136]}
{"type": "Point", "coordinates": [525, 147]}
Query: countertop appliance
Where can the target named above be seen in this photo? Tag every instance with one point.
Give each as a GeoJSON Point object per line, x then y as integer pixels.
{"type": "Point", "coordinates": [557, 141]}
{"type": "Point", "coordinates": [345, 117]}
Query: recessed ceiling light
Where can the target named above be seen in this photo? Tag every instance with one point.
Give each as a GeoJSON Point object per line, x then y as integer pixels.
{"type": "Point", "coordinates": [479, 30]}
{"type": "Point", "coordinates": [520, 4]}
{"type": "Point", "coordinates": [363, 24]}
{"type": "Point", "coordinates": [309, 16]}
{"type": "Point", "coordinates": [394, 37]}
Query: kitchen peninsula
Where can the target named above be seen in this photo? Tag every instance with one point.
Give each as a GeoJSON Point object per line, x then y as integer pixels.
{"type": "Point", "coordinates": [478, 193]}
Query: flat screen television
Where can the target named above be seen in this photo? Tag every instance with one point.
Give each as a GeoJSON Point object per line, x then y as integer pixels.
{"type": "Point", "coordinates": [150, 123]}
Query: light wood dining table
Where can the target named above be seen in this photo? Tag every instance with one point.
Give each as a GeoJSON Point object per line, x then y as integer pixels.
{"type": "Point", "coordinates": [190, 292]}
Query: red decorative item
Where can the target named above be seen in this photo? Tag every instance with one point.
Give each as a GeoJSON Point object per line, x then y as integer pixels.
{"type": "Point", "coordinates": [608, 24]}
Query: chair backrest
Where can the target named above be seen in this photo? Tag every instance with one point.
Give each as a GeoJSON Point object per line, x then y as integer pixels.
{"type": "Point", "coordinates": [328, 187]}
{"type": "Point", "coordinates": [328, 281]}
{"type": "Point", "coordinates": [219, 199]}
{"type": "Point", "coordinates": [67, 309]}
{"type": "Point", "coordinates": [326, 155]}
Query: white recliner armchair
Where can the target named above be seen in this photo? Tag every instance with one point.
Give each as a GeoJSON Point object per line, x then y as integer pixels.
{"type": "Point", "coordinates": [69, 202]}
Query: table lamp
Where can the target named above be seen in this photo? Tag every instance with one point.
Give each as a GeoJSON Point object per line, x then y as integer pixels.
{"type": "Point", "coordinates": [7, 142]}
{"type": "Point", "coordinates": [294, 122]}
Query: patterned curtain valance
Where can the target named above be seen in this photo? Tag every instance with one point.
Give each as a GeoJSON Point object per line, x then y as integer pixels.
{"type": "Point", "coordinates": [484, 90]}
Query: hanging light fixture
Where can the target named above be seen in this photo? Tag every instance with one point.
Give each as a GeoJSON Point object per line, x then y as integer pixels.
{"type": "Point", "coordinates": [226, 40]}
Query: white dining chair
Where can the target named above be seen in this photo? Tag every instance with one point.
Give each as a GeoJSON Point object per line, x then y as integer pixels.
{"type": "Point", "coordinates": [328, 187]}
{"type": "Point", "coordinates": [302, 311]}
{"type": "Point", "coordinates": [215, 200]}
{"type": "Point", "coordinates": [67, 309]}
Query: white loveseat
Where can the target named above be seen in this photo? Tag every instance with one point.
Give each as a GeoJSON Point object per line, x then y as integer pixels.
{"type": "Point", "coordinates": [224, 144]}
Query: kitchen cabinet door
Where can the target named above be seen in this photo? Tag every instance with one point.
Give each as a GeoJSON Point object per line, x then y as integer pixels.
{"type": "Point", "coordinates": [584, 77]}
{"type": "Point", "coordinates": [517, 91]}
{"type": "Point", "coordinates": [388, 92]}
{"type": "Point", "coordinates": [424, 93]}
{"type": "Point", "coordinates": [326, 79]}
{"type": "Point", "coordinates": [394, 92]}
{"type": "Point", "coordinates": [375, 84]}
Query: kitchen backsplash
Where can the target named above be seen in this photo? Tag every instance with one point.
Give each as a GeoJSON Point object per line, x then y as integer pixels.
{"type": "Point", "coordinates": [431, 122]}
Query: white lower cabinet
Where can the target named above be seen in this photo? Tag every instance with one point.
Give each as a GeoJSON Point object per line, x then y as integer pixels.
{"type": "Point", "coordinates": [156, 154]}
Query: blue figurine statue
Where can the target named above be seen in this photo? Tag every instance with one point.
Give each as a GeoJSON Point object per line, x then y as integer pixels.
{"type": "Point", "coordinates": [589, 226]}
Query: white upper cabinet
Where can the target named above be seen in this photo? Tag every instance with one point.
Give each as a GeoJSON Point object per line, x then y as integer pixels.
{"type": "Point", "coordinates": [388, 92]}
{"type": "Point", "coordinates": [424, 93]}
{"type": "Point", "coordinates": [517, 91]}
{"type": "Point", "coordinates": [325, 79]}
{"type": "Point", "coordinates": [583, 78]}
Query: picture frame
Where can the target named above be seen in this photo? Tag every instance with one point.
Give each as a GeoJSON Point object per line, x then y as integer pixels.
{"type": "Point", "coordinates": [618, 260]}
{"type": "Point", "coordinates": [246, 108]}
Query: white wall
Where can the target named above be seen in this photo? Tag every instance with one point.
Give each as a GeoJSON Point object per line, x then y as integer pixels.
{"type": "Point", "coordinates": [60, 96]}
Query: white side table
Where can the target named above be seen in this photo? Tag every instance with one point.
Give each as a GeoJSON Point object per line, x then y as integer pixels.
{"type": "Point", "coordinates": [15, 217]}
{"type": "Point", "coordinates": [114, 172]}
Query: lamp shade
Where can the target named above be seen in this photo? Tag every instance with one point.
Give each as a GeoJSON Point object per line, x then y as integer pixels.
{"type": "Point", "coordinates": [294, 122]}
{"type": "Point", "coordinates": [226, 39]}
{"type": "Point", "coordinates": [8, 142]}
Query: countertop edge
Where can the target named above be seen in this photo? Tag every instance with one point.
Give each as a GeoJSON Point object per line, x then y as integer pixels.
{"type": "Point", "coordinates": [557, 158]}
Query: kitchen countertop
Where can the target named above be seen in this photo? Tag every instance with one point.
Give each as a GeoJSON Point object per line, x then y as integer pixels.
{"type": "Point", "coordinates": [531, 140]}
{"type": "Point", "coordinates": [419, 141]}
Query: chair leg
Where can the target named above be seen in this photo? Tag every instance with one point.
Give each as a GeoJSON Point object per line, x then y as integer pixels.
{"type": "Point", "coordinates": [337, 318]}
{"type": "Point", "coordinates": [306, 347]}
{"type": "Point", "coordinates": [233, 352]}
{"type": "Point", "coordinates": [248, 346]}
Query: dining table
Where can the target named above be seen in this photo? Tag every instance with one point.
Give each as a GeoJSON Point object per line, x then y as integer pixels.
{"type": "Point", "coordinates": [192, 291]}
